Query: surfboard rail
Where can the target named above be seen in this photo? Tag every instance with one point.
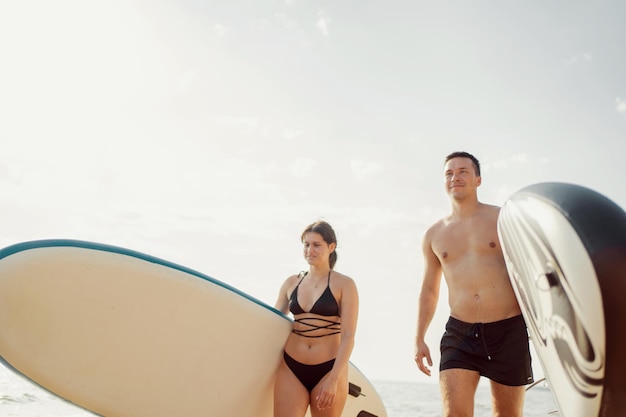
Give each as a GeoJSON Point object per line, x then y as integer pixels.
{"type": "Point", "coordinates": [75, 243]}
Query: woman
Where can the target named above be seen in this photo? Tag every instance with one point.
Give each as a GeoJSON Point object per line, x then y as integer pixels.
{"type": "Point", "coordinates": [325, 306]}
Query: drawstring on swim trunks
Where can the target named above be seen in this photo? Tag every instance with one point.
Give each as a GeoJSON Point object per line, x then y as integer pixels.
{"type": "Point", "coordinates": [480, 332]}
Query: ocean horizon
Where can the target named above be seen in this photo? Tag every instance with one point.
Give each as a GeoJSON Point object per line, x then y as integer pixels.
{"type": "Point", "coordinates": [20, 397]}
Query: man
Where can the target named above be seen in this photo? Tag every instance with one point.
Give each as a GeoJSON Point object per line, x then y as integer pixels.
{"type": "Point", "coordinates": [485, 334]}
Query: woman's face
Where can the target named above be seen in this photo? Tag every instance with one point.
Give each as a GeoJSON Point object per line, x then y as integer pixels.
{"type": "Point", "coordinates": [316, 250]}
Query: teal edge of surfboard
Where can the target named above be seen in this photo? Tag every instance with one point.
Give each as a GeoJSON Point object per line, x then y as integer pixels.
{"type": "Point", "coordinates": [49, 243]}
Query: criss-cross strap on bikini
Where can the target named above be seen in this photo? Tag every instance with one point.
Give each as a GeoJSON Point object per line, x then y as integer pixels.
{"type": "Point", "coordinates": [325, 306]}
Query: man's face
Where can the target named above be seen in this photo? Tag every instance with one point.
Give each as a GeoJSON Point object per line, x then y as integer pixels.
{"type": "Point", "coordinates": [460, 176]}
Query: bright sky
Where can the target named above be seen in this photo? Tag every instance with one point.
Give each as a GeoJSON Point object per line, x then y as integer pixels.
{"type": "Point", "coordinates": [210, 133]}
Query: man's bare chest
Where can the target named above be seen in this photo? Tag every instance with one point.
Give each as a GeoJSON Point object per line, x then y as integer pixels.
{"type": "Point", "coordinates": [454, 243]}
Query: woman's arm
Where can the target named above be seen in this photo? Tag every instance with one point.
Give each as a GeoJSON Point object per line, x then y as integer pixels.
{"type": "Point", "coordinates": [282, 302]}
{"type": "Point", "coordinates": [349, 314]}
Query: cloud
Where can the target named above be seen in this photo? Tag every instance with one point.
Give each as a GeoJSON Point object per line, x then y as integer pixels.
{"type": "Point", "coordinates": [515, 160]}
{"type": "Point", "coordinates": [220, 30]}
{"type": "Point", "coordinates": [362, 169]}
{"type": "Point", "coordinates": [620, 105]}
{"type": "Point", "coordinates": [286, 22]}
{"type": "Point", "coordinates": [322, 24]}
{"type": "Point", "coordinates": [292, 134]}
{"type": "Point", "coordinates": [586, 57]}
{"type": "Point", "coordinates": [301, 167]}
{"type": "Point", "coordinates": [187, 79]}
{"type": "Point", "coordinates": [248, 124]}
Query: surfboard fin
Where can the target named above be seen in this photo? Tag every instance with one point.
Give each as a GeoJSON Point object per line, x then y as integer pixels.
{"type": "Point", "coordinates": [355, 391]}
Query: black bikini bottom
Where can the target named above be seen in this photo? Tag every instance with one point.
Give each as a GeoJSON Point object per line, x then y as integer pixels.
{"type": "Point", "coordinates": [309, 375]}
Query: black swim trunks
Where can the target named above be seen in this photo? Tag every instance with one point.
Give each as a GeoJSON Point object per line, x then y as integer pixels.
{"type": "Point", "coordinates": [497, 350]}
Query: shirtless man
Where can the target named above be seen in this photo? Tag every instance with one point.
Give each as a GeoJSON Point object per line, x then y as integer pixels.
{"type": "Point", "coordinates": [485, 334]}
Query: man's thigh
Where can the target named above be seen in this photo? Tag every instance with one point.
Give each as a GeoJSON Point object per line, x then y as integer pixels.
{"type": "Point", "coordinates": [458, 387]}
{"type": "Point", "coordinates": [507, 400]}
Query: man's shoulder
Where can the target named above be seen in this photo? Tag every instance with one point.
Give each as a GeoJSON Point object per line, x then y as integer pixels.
{"type": "Point", "coordinates": [490, 207]}
{"type": "Point", "coordinates": [490, 210]}
{"type": "Point", "coordinates": [436, 227]}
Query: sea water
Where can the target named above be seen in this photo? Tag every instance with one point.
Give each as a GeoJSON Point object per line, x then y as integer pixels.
{"type": "Point", "coordinates": [21, 398]}
{"type": "Point", "coordinates": [411, 399]}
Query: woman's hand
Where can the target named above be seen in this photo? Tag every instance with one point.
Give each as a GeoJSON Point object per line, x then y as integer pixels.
{"type": "Point", "coordinates": [327, 391]}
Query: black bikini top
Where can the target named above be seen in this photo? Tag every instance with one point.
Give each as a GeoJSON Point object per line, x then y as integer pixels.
{"type": "Point", "coordinates": [326, 305]}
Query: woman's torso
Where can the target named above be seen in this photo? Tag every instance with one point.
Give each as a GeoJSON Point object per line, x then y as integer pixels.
{"type": "Point", "coordinates": [317, 323]}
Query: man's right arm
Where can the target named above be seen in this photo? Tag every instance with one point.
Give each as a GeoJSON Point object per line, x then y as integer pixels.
{"type": "Point", "coordinates": [428, 299]}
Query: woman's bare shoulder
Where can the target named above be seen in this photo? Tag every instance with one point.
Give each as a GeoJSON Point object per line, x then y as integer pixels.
{"type": "Point", "coordinates": [291, 281]}
{"type": "Point", "coordinates": [343, 279]}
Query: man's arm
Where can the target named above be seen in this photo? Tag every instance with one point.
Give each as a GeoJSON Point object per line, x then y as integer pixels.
{"type": "Point", "coordinates": [428, 299]}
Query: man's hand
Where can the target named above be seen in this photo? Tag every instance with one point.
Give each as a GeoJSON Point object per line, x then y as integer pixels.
{"type": "Point", "coordinates": [423, 352]}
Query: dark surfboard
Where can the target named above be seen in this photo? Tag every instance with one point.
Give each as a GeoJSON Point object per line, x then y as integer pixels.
{"type": "Point", "coordinates": [565, 250]}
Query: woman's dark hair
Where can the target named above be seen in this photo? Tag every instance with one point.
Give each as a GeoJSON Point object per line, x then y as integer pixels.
{"type": "Point", "coordinates": [327, 233]}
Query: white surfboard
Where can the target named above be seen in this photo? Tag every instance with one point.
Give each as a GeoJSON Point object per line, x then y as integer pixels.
{"type": "Point", "coordinates": [120, 333]}
{"type": "Point", "coordinates": [565, 249]}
